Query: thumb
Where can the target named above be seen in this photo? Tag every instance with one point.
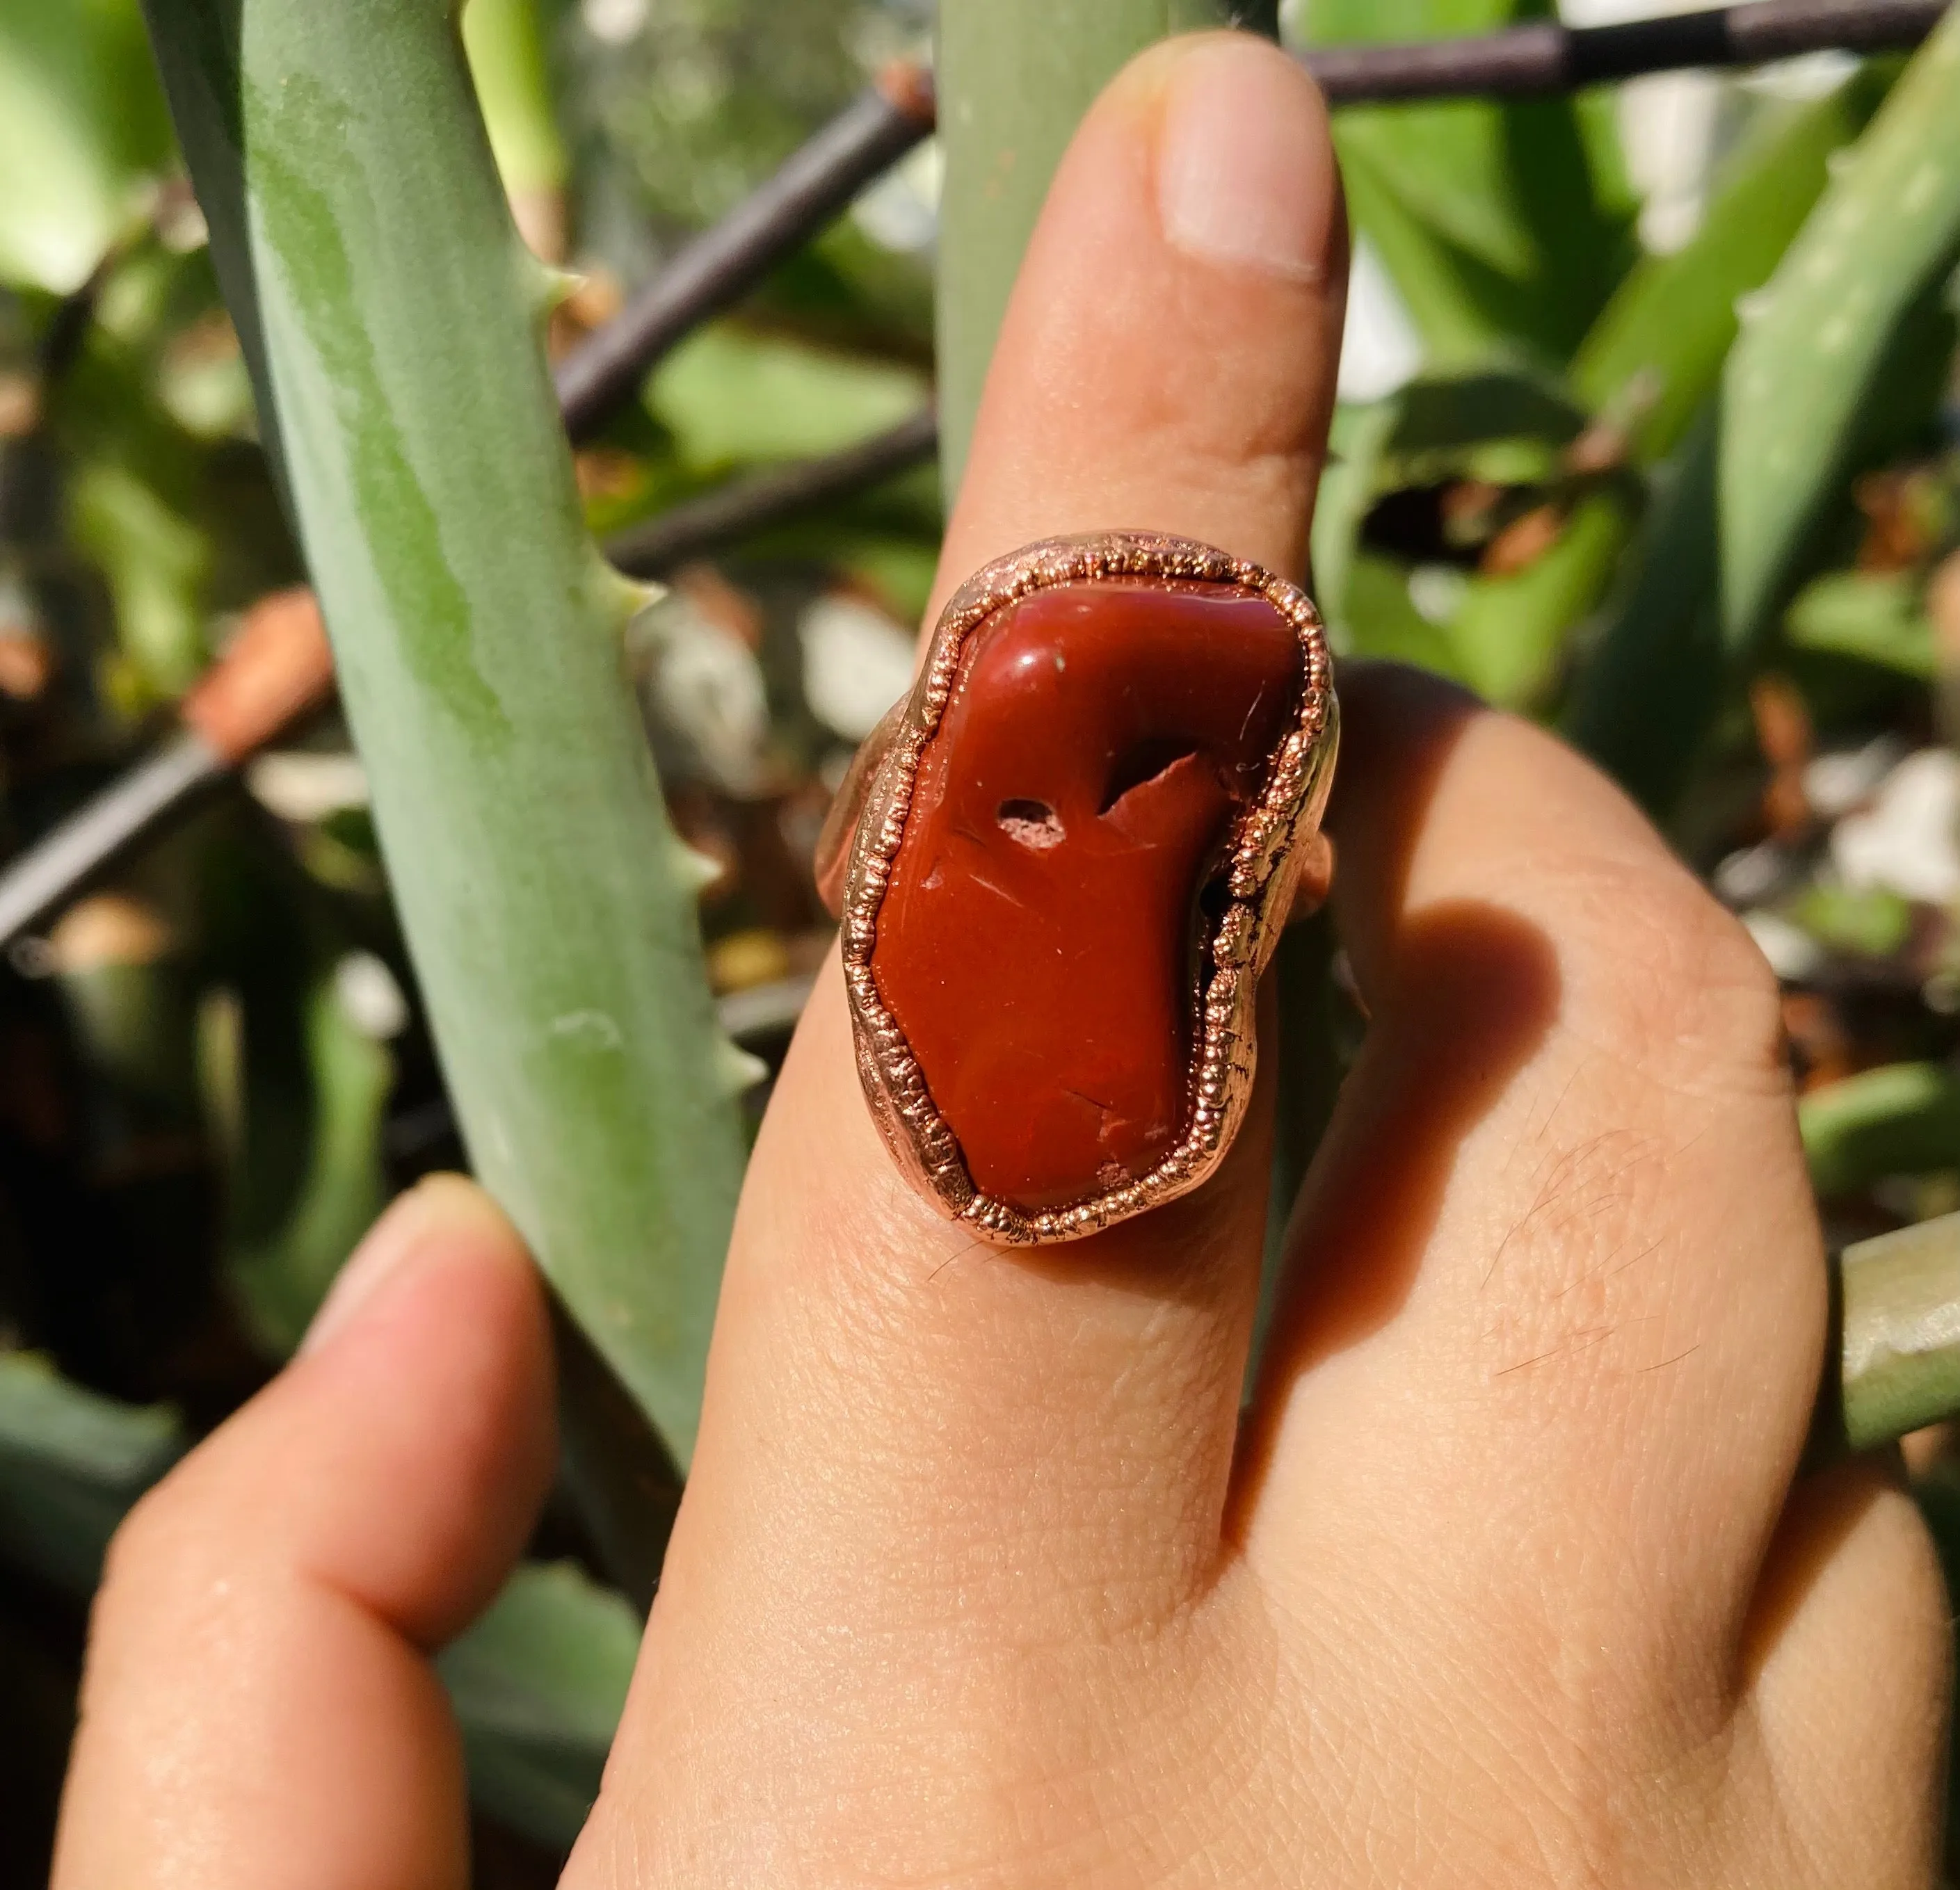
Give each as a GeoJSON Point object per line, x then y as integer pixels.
{"type": "Point", "coordinates": [259, 1707]}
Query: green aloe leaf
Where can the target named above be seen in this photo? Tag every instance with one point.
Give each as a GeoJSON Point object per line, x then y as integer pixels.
{"type": "Point", "coordinates": [138, 495]}
{"type": "Point", "coordinates": [1734, 508]}
{"type": "Point", "coordinates": [1877, 617]}
{"type": "Point", "coordinates": [1383, 620]}
{"type": "Point", "coordinates": [1502, 224]}
{"type": "Point", "coordinates": [538, 1684]}
{"type": "Point", "coordinates": [1348, 485]}
{"type": "Point", "coordinates": [392, 319]}
{"type": "Point", "coordinates": [157, 563]}
{"type": "Point", "coordinates": [1902, 1119]}
{"type": "Point", "coordinates": [1015, 78]}
{"type": "Point", "coordinates": [505, 40]}
{"type": "Point", "coordinates": [731, 397]}
{"type": "Point", "coordinates": [1668, 654]}
{"type": "Point", "coordinates": [1505, 226]}
{"type": "Point", "coordinates": [82, 126]}
{"type": "Point", "coordinates": [1901, 1365]}
{"type": "Point", "coordinates": [1500, 424]}
{"type": "Point", "coordinates": [1503, 635]}
{"type": "Point", "coordinates": [1651, 685]}
{"type": "Point", "coordinates": [1648, 688]}
{"type": "Point", "coordinates": [1428, 274]}
{"type": "Point", "coordinates": [70, 1464]}
{"type": "Point", "coordinates": [1656, 351]}
{"type": "Point", "coordinates": [1510, 632]}
{"type": "Point", "coordinates": [285, 1251]}
{"type": "Point", "coordinates": [1885, 233]}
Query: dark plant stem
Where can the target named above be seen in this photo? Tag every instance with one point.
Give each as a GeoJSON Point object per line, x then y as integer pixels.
{"type": "Point", "coordinates": [59, 348]}
{"type": "Point", "coordinates": [744, 506]}
{"type": "Point", "coordinates": [1547, 57]}
{"type": "Point", "coordinates": [68, 327]}
{"type": "Point", "coordinates": [50, 875]}
{"type": "Point", "coordinates": [712, 272]}
{"type": "Point", "coordinates": [276, 669]}
{"type": "Point", "coordinates": [723, 263]}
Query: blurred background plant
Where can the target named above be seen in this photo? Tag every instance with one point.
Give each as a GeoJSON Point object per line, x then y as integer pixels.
{"type": "Point", "coordinates": [1650, 427]}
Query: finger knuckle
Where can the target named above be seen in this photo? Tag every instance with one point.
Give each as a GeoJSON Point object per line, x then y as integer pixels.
{"type": "Point", "coordinates": [164, 1541]}
{"type": "Point", "coordinates": [146, 1539]}
{"type": "Point", "coordinates": [1672, 984]}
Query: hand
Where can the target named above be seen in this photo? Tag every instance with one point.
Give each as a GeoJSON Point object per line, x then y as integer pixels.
{"type": "Point", "coordinates": [1506, 1579]}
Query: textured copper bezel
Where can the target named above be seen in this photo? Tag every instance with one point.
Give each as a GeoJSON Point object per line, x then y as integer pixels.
{"type": "Point", "coordinates": [1262, 872]}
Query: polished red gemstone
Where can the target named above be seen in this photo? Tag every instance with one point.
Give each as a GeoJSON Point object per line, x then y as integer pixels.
{"type": "Point", "coordinates": [1040, 940]}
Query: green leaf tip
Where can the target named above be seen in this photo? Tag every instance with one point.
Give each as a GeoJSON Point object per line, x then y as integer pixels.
{"type": "Point", "coordinates": [1815, 343]}
{"type": "Point", "coordinates": [622, 598]}
{"type": "Point", "coordinates": [695, 871]}
{"type": "Point", "coordinates": [551, 287]}
{"type": "Point", "coordinates": [736, 1071]}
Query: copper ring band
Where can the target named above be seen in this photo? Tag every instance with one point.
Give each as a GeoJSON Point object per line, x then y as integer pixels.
{"type": "Point", "coordinates": [1272, 863]}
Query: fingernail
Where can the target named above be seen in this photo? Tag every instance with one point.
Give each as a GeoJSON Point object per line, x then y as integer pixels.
{"type": "Point", "coordinates": [431, 1211]}
{"type": "Point", "coordinates": [1243, 164]}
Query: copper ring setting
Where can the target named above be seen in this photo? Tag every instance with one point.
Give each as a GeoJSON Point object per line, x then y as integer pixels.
{"type": "Point", "coordinates": [1060, 865]}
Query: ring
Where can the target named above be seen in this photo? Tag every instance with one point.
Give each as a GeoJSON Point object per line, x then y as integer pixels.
{"type": "Point", "coordinates": [1060, 865]}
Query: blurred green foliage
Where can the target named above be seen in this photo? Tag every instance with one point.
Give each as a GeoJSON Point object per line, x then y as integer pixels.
{"type": "Point", "coordinates": [81, 117]}
{"type": "Point", "coordinates": [1505, 226]}
{"type": "Point", "coordinates": [701, 99]}
{"type": "Point", "coordinates": [538, 1684]}
{"type": "Point", "coordinates": [1700, 509]}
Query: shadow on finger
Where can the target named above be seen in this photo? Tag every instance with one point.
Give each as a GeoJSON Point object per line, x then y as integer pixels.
{"type": "Point", "coordinates": [1482, 990]}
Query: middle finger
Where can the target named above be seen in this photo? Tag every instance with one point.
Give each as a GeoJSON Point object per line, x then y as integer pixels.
{"type": "Point", "coordinates": [1005, 1471]}
{"type": "Point", "coordinates": [1167, 364]}
{"type": "Point", "coordinates": [1560, 1286]}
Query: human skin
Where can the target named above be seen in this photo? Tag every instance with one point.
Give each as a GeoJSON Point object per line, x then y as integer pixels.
{"type": "Point", "coordinates": [1508, 1577]}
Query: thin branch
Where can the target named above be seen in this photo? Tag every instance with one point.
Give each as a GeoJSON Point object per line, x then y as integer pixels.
{"type": "Point", "coordinates": [277, 668]}
{"type": "Point", "coordinates": [725, 262]}
{"type": "Point", "coordinates": [722, 264]}
{"type": "Point", "coordinates": [67, 859]}
{"type": "Point", "coordinates": [59, 348]}
{"type": "Point", "coordinates": [1783, 29]}
{"type": "Point", "coordinates": [1547, 57]}
{"type": "Point", "coordinates": [744, 506]}
{"type": "Point", "coordinates": [715, 270]}
{"type": "Point", "coordinates": [68, 327]}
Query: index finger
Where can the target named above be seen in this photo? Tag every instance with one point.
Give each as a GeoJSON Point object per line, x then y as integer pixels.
{"type": "Point", "coordinates": [1057, 1426]}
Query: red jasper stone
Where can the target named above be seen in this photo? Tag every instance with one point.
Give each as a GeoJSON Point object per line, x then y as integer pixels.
{"type": "Point", "coordinates": [1040, 941]}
